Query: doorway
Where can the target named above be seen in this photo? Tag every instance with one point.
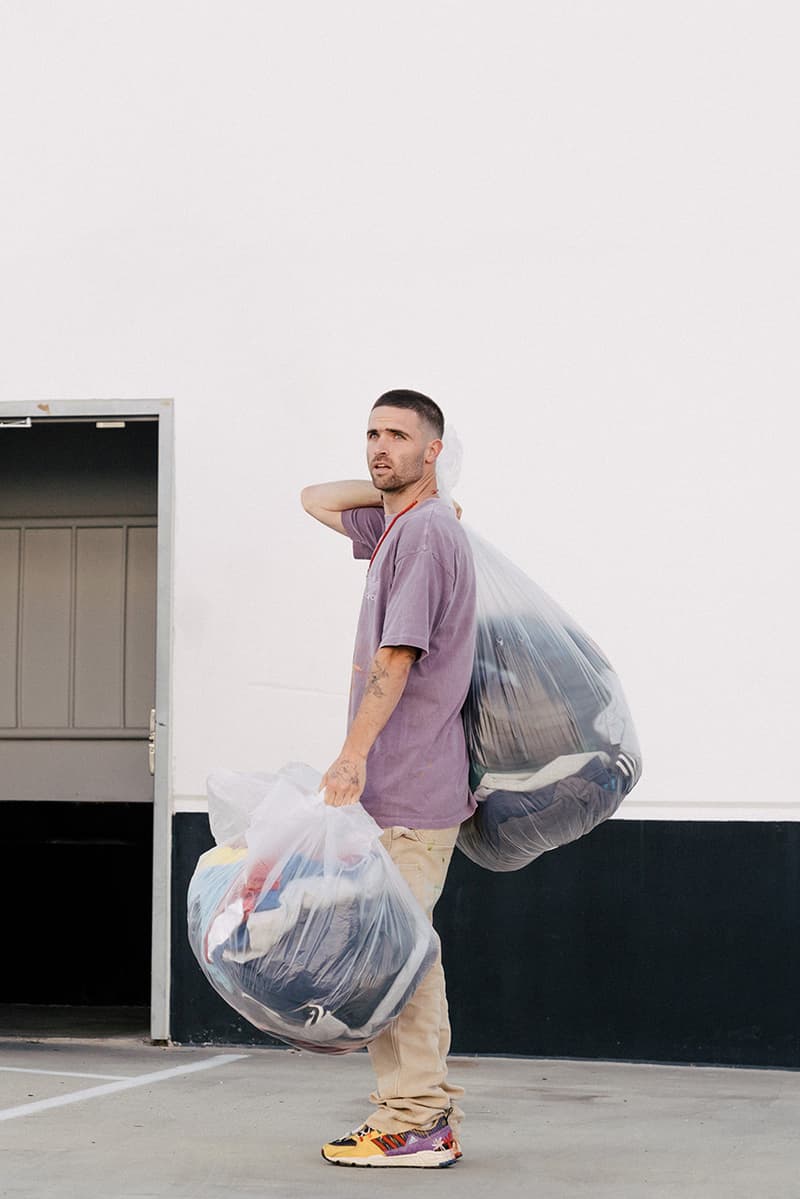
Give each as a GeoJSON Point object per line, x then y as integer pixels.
{"type": "Point", "coordinates": [79, 602]}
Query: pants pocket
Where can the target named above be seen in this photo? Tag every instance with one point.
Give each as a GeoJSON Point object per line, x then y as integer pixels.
{"type": "Point", "coordinates": [434, 838]}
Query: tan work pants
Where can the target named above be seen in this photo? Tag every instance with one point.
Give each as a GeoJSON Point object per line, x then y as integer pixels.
{"type": "Point", "coordinates": [410, 1056]}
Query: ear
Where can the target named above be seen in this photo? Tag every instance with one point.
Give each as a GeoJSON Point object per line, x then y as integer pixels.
{"type": "Point", "coordinates": [434, 450]}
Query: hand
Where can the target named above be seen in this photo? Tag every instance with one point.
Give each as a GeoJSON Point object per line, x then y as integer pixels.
{"type": "Point", "coordinates": [343, 783]}
{"type": "Point", "coordinates": [459, 510]}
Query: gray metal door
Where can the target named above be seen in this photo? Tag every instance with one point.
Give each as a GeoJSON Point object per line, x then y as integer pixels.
{"type": "Point", "coordinates": [77, 620]}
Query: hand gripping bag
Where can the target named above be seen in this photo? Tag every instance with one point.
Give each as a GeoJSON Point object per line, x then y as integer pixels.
{"type": "Point", "coordinates": [299, 919]}
{"type": "Point", "coordinates": [552, 746]}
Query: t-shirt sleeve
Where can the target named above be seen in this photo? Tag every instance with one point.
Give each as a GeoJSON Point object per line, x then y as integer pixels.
{"type": "Point", "coordinates": [421, 591]}
{"type": "Point", "coordinates": [364, 527]}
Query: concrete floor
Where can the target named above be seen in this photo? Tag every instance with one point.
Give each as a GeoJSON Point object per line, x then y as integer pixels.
{"type": "Point", "coordinates": [216, 1124]}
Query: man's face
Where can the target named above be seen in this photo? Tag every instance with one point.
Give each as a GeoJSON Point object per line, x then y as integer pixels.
{"type": "Point", "coordinates": [398, 443]}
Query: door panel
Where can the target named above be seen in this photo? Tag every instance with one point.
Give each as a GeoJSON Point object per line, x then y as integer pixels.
{"type": "Point", "coordinates": [46, 628]}
{"type": "Point", "coordinates": [140, 626]}
{"type": "Point", "coordinates": [9, 593]}
{"type": "Point", "coordinates": [81, 618]}
{"type": "Point", "coordinates": [99, 625]}
{"type": "Point", "coordinates": [110, 771]}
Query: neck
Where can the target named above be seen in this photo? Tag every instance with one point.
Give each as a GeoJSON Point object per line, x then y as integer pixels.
{"type": "Point", "coordinates": [414, 493]}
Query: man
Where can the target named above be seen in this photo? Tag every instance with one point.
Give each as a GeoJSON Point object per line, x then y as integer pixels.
{"type": "Point", "coordinates": [405, 754]}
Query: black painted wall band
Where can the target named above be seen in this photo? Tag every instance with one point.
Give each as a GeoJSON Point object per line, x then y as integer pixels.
{"type": "Point", "coordinates": [668, 941]}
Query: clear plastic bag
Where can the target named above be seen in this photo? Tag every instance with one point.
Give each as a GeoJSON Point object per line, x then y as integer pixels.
{"type": "Point", "coordinates": [553, 750]}
{"type": "Point", "coordinates": [552, 746]}
{"type": "Point", "coordinates": [299, 918]}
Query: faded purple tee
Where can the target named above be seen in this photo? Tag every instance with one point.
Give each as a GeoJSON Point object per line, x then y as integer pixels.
{"type": "Point", "coordinates": [420, 591]}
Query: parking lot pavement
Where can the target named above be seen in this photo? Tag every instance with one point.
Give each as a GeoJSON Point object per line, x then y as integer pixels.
{"type": "Point", "coordinates": [125, 1120]}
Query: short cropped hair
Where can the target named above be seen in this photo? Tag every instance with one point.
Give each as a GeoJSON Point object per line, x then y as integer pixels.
{"type": "Point", "coordinates": [423, 405]}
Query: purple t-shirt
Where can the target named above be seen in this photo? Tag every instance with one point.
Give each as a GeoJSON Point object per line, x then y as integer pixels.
{"type": "Point", "coordinates": [420, 591]}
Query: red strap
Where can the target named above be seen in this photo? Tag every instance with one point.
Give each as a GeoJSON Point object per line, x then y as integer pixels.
{"type": "Point", "coordinates": [387, 531]}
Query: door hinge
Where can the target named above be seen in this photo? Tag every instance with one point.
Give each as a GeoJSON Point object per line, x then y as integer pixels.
{"type": "Point", "coordinates": [26, 423]}
{"type": "Point", "coordinates": [151, 742]}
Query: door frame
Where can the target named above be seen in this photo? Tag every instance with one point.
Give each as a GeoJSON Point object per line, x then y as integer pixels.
{"type": "Point", "coordinates": [163, 410]}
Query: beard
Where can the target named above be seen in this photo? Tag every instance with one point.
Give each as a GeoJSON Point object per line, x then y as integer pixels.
{"type": "Point", "coordinates": [396, 478]}
{"type": "Point", "coordinates": [385, 480]}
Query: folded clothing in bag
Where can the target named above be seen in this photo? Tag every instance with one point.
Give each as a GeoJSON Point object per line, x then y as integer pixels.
{"type": "Point", "coordinates": [552, 746]}
{"type": "Point", "coordinates": [519, 819]}
{"type": "Point", "coordinates": [300, 920]}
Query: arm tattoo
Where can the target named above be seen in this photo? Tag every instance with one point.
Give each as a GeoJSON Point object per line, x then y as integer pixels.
{"type": "Point", "coordinates": [376, 676]}
{"type": "Point", "coordinates": [346, 771]}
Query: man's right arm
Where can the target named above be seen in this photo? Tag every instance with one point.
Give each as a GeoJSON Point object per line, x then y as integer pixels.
{"type": "Point", "coordinates": [327, 501]}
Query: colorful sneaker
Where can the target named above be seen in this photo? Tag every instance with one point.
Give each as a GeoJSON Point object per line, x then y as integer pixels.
{"type": "Point", "coordinates": [421, 1147]}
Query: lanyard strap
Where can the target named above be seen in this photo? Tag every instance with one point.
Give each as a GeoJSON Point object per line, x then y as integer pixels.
{"type": "Point", "coordinates": [387, 531]}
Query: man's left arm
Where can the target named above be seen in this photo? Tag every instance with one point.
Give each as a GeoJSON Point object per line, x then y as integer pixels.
{"type": "Point", "coordinates": [344, 781]}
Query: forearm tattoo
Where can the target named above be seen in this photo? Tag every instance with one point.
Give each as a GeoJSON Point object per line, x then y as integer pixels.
{"type": "Point", "coordinates": [377, 675]}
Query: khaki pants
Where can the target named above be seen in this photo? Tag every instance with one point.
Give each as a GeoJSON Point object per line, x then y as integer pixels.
{"type": "Point", "coordinates": [410, 1056]}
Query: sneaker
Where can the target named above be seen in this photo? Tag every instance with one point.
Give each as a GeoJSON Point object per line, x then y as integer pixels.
{"type": "Point", "coordinates": [421, 1147]}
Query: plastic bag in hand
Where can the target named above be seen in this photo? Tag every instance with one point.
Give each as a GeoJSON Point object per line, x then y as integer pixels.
{"type": "Point", "coordinates": [552, 745]}
{"type": "Point", "coordinates": [299, 918]}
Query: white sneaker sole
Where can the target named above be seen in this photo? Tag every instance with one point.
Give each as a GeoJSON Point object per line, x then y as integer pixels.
{"type": "Point", "coordinates": [426, 1159]}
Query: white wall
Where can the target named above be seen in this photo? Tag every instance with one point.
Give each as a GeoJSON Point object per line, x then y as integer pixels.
{"type": "Point", "coordinates": [573, 223]}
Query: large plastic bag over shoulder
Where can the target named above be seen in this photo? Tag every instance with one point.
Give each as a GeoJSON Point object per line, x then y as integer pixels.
{"type": "Point", "coordinates": [553, 749]}
{"type": "Point", "coordinates": [552, 746]}
{"type": "Point", "coordinates": [299, 919]}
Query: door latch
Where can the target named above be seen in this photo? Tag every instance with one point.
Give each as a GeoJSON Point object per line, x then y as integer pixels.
{"type": "Point", "coordinates": [151, 742]}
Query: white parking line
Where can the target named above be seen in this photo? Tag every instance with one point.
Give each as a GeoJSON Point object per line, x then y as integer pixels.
{"type": "Point", "coordinates": [56, 1073]}
{"type": "Point", "coordinates": [125, 1084]}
